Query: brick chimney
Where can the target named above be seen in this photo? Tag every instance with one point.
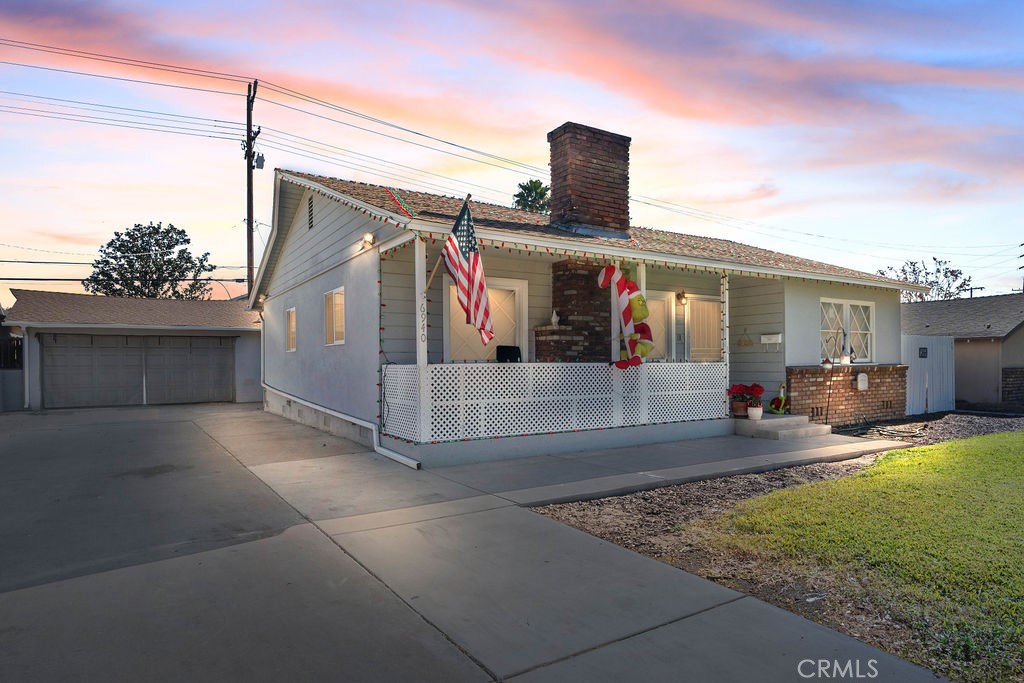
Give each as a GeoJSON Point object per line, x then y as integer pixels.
{"type": "Point", "coordinates": [589, 180]}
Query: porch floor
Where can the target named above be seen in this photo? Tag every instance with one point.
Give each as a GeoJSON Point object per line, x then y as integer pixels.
{"type": "Point", "coordinates": [566, 477]}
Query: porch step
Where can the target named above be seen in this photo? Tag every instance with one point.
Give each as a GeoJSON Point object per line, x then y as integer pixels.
{"type": "Point", "coordinates": [781, 427]}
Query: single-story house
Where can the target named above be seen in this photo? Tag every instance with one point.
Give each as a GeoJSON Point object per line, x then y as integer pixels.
{"type": "Point", "coordinates": [84, 350]}
{"type": "Point", "coordinates": [989, 343]}
{"type": "Point", "coordinates": [355, 342]}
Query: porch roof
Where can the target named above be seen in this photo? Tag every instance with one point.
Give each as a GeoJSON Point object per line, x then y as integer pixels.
{"type": "Point", "coordinates": [647, 243]}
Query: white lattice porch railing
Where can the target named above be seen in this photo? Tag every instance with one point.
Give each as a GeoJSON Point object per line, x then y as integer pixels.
{"type": "Point", "coordinates": [480, 400]}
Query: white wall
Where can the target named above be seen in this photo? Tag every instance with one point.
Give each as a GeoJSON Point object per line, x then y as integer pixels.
{"type": "Point", "coordinates": [803, 319]}
{"type": "Point", "coordinates": [342, 377]}
{"type": "Point", "coordinates": [247, 368]}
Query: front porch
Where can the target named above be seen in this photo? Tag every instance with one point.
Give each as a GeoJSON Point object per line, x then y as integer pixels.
{"type": "Point", "coordinates": [463, 401]}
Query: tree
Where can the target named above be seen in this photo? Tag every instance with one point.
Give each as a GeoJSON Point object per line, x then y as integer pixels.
{"type": "Point", "coordinates": [945, 282]}
{"type": "Point", "coordinates": [150, 261]}
{"type": "Point", "coordinates": [532, 196]}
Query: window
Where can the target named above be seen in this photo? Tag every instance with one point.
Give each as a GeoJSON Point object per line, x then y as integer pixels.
{"type": "Point", "coordinates": [289, 324]}
{"type": "Point", "coordinates": [334, 316]}
{"type": "Point", "coordinates": [847, 327]}
{"type": "Point", "coordinates": [703, 329]}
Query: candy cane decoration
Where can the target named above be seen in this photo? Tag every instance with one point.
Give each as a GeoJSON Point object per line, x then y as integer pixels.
{"type": "Point", "coordinates": [611, 276]}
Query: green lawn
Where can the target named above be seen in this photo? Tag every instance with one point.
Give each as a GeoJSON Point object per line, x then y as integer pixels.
{"type": "Point", "coordinates": [936, 532]}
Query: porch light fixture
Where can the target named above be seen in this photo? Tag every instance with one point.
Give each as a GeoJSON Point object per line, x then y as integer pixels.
{"type": "Point", "coordinates": [369, 239]}
{"type": "Point", "coordinates": [681, 296]}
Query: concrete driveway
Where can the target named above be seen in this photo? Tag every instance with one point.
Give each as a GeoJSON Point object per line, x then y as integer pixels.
{"type": "Point", "coordinates": [222, 543]}
{"type": "Point", "coordinates": [135, 547]}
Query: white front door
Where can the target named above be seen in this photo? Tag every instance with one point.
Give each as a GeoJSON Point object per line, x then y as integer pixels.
{"type": "Point", "coordinates": [508, 310]}
{"type": "Point", "coordinates": [662, 321]}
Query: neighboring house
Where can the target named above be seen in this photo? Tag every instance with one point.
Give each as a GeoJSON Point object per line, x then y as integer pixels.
{"type": "Point", "coordinates": [989, 343]}
{"type": "Point", "coordinates": [353, 343]}
{"type": "Point", "coordinates": [86, 350]}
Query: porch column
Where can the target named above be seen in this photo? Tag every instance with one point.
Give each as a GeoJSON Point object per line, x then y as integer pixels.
{"type": "Point", "coordinates": [423, 416]}
{"type": "Point", "coordinates": [724, 289]}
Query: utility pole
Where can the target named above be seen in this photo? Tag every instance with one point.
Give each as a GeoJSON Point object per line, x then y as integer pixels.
{"type": "Point", "coordinates": [250, 164]}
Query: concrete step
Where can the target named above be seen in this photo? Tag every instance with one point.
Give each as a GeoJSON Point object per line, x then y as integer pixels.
{"type": "Point", "coordinates": [746, 427]}
{"type": "Point", "coordinates": [795, 432]}
{"type": "Point", "coordinates": [780, 427]}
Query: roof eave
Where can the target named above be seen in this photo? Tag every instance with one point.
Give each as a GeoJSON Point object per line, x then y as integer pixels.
{"type": "Point", "coordinates": [665, 257]}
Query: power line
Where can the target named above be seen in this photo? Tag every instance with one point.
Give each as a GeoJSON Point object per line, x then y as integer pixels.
{"type": "Point", "coordinates": [127, 61]}
{"type": "Point", "coordinates": [79, 119]}
{"type": "Point", "coordinates": [88, 263]}
{"type": "Point", "coordinates": [79, 279]}
{"type": "Point", "coordinates": [111, 108]}
{"type": "Point", "coordinates": [120, 78]}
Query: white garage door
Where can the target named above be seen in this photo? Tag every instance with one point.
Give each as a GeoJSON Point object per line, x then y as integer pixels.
{"type": "Point", "coordinates": [111, 370]}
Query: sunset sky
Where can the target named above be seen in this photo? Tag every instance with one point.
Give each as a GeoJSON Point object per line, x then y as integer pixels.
{"type": "Point", "coordinates": [858, 133]}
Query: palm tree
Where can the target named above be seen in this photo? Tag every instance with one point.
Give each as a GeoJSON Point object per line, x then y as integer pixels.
{"type": "Point", "coordinates": [532, 196]}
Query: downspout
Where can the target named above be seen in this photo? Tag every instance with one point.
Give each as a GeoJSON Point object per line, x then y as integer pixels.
{"type": "Point", "coordinates": [25, 344]}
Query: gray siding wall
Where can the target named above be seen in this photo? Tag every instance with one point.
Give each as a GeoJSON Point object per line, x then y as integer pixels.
{"type": "Point", "coordinates": [978, 370]}
{"type": "Point", "coordinates": [756, 307]}
{"type": "Point", "coordinates": [337, 234]}
{"type": "Point", "coordinates": [398, 296]}
{"type": "Point", "coordinates": [803, 319]}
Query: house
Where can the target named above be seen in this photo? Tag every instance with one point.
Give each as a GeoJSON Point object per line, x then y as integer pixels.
{"type": "Point", "coordinates": [355, 343]}
{"type": "Point", "coordinates": [83, 350]}
{"type": "Point", "coordinates": [989, 343]}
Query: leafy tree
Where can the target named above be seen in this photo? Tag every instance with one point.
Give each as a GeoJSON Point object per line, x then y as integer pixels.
{"type": "Point", "coordinates": [946, 282]}
{"type": "Point", "coordinates": [532, 196]}
{"type": "Point", "coordinates": [150, 261]}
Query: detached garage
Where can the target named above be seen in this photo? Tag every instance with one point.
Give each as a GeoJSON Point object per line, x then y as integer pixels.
{"type": "Point", "coordinates": [84, 351]}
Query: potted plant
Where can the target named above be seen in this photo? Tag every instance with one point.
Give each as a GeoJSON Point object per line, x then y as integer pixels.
{"type": "Point", "coordinates": [755, 409]}
{"type": "Point", "coordinates": [739, 394]}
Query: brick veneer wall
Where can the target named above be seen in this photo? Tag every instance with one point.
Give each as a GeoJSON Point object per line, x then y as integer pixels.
{"type": "Point", "coordinates": [589, 177]}
{"type": "Point", "coordinates": [884, 399]}
{"type": "Point", "coordinates": [1013, 385]}
{"type": "Point", "coordinates": [584, 312]}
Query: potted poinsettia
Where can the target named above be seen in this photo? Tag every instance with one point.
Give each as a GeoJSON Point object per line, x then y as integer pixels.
{"type": "Point", "coordinates": [739, 394]}
{"type": "Point", "coordinates": [755, 409]}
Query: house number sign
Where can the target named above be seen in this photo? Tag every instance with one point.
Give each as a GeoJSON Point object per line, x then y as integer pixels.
{"type": "Point", "coordinates": [423, 319]}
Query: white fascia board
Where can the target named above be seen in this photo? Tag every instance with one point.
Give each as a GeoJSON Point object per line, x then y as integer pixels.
{"type": "Point", "coordinates": [117, 326]}
{"type": "Point", "coordinates": [634, 255]}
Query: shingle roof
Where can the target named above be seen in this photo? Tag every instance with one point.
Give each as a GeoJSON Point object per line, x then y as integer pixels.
{"type": "Point", "coordinates": [33, 306]}
{"type": "Point", "coordinates": [983, 316]}
{"type": "Point", "coordinates": [432, 207]}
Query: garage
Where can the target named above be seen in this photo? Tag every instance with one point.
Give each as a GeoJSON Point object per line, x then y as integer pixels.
{"type": "Point", "coordinates": [81, 370]}
{"type": "Point", "coordinates": [94, 351]}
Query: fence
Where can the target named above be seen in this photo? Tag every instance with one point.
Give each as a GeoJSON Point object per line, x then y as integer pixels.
{"type": "Point", "coordinates": [485, 400]}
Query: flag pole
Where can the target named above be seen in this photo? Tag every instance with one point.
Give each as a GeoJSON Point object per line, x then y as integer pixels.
{"type": "Point", "coordinates": [433, 271]}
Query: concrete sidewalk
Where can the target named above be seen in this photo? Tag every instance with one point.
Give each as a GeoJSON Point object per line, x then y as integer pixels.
{"type": "Point", "coordinates": [530, 599]}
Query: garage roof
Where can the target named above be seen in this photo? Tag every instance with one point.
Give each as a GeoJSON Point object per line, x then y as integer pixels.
{"type": "Point", "coordinates": [975, 318]}
{"type": "Point", "coordinates": [35, 308]}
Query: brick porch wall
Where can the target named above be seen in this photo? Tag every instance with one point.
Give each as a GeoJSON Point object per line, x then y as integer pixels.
{"type": "Point", "coordinates": [1013, 385]}
{"type": "Point", "coordinates": [584, 315]}
{"type": "Point", "coordinates": [885, 398]}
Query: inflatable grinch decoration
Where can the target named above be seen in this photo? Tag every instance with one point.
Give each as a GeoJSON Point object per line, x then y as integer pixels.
{"type": "Point", "coordinates": [635, 338]}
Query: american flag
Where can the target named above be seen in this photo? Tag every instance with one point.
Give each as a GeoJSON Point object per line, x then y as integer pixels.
{"type": "Point", "coordinates": [462, 259]}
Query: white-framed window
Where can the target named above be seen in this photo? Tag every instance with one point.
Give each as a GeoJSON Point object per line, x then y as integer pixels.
{"type": "Point", "coordinates": [508, 302]}
{"type": "Point", "coordinates": [334, 316]}
{"type": "Point", "coordinates": [289, 327]}
{"type": "Point", "coordinates": [848, 328]}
